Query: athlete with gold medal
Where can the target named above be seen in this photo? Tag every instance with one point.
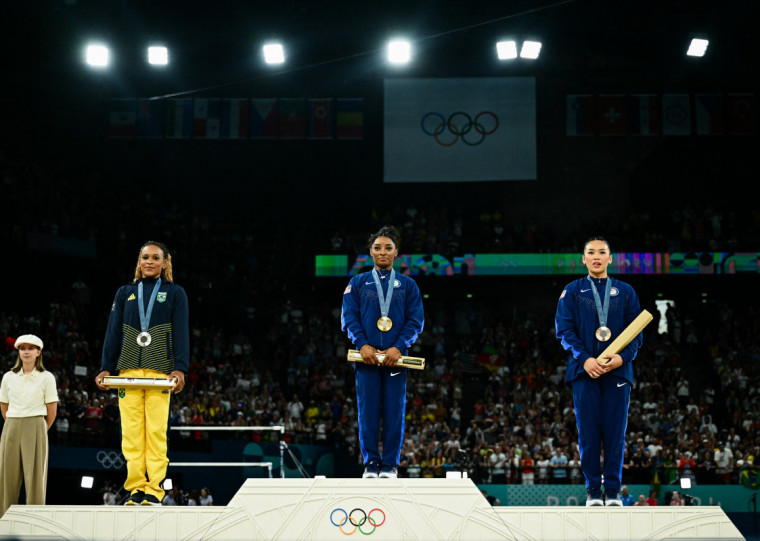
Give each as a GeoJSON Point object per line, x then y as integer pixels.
{"type": "Point", "coordinates": [382, 315]}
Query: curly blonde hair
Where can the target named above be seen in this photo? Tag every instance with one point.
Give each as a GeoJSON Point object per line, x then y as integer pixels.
{"type": "Point", "coordinates": [166, 273]}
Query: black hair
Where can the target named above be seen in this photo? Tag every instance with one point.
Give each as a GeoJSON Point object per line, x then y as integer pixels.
{"type": "Point", "coordinates": [385, 231]}
{"type": "Point", "coordinates": [602, 239]}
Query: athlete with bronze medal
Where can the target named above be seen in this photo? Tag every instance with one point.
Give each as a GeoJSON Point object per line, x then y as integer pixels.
{"type": "Point", "coordinates": [382, 315]}
{"type": "Point", "coordinates": [591, 311]}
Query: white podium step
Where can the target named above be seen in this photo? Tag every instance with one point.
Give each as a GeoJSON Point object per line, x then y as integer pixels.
{"type": "Point", "coordinates": [385, 509]}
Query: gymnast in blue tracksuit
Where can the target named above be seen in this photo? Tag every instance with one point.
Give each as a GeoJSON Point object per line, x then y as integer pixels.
{"type": "Point", "coordinates": [382, 314]}
{"type": "Point", "coordinates": [592, 311]}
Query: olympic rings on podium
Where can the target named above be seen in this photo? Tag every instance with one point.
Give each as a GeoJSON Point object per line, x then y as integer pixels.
{"type": "Point", "coordinates": [357, 524]}
{"type": "Point", "coordinates": [459, 127]}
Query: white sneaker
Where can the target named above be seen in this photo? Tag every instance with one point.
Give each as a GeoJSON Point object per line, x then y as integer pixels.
{"type": "Point", "coordinates": [389, 472]}
{"type": "Point", "coordinates": [371, 470]}
{"type": "Point", "coordinates": [613, 502]}
{"type": "Point", "coordinates": [594, 502]}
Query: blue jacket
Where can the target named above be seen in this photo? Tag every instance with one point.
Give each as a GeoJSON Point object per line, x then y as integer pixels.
{"type": "Point", "coordinates": [169, 328]}
{"type": "Point", "coordinates": [361, 310]}
{"type": "Point", "coordinates": [576, 323]}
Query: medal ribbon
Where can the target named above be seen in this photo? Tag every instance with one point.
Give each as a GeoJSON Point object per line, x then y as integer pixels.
{"type": "Point", "coordinates": [145, 317]}
{"type": "Point", "coordinates": [385, 300]}
{"type": "Point", "coordinates": [601, 310]}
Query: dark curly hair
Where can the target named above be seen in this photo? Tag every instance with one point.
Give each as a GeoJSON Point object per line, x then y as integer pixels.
{"type": "Point", "coordinates": [385, 231]}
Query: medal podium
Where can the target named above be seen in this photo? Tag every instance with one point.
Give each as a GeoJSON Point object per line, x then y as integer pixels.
{"type": "Point", "coordinates": [385, 509]}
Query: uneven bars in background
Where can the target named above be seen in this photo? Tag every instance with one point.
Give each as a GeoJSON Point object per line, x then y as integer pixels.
{"type": "Point", "coordinates": [280, 429]}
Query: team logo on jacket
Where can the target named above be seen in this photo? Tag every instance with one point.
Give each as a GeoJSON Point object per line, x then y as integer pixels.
{"type": "Point", "coordinates": [122, 392]}
{"type": "Point", "coordinates": [614, 292]}
{"type": "Point", "coordinates": [131, 297]}
{"type": "Point", "coordinates": [397, 283]}
{"type": "Point", "coordinates": [161, 297]}
{"type": "Point", "coordinates": [348, 289]}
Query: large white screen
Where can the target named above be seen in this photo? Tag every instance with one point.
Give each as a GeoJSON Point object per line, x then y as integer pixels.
{"type": "Point", "coordinates": [464, 129]}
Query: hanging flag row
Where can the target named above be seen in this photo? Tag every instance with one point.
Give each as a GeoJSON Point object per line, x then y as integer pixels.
{"type": "Point", "coordinates": [661, 114]}
{"type": "Point", "coordinates": [237, 118]}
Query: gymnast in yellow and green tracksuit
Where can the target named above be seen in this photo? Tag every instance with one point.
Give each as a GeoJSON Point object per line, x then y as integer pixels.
{"type": "Point", "coordinates": [148, 336]}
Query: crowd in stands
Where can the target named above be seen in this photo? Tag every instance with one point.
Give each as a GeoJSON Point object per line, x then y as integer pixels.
{"type": "Point", "coordinates": [697, 226]}
{"type": "Point", "coordinates": [263, 354]}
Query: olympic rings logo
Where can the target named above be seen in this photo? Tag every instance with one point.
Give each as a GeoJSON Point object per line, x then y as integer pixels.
{"type": "Point", "coordinates": [357, 524]}
{"type": "Point", "coordinates": [110, 459]}
{"type": "Point", "coordinates": [472, 131]}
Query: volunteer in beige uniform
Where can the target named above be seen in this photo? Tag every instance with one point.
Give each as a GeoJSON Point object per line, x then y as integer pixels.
{"type": "Point", "coordinates": [29, 403]}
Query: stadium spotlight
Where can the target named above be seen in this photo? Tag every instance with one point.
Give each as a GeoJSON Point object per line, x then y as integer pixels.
{"type": "Point", "coordinates": [530, 49]}
{"type": "Point", "coordinates": [158, 55]}
{"type": "Point", "coordinates": [506, 50]}
{"type": "Point", "coordinates": [87, 481]}
{"type": "Point", "coordinates": [97, 55]}
{"type": "Point", "coordinates": [399, 51]}
{"type": "Point", "coordinates": [698, 47]}
{"type": "Point", "coordinates": [273, 53]}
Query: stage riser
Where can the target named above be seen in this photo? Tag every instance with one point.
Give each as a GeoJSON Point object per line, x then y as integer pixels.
{"type": "Point", "coordinates": [313, 510]}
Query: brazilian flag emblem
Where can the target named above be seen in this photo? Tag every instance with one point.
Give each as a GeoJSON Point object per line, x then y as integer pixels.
{"type": "Point", "coordinates": [122, 392]}
{"type": "Point", "coordinates": [161, 297]}
{"type": "Point", "coordinates": [748, 478]}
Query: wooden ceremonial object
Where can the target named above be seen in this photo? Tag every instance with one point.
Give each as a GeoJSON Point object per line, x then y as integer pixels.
{"type": "Point", "coordinates": [415, 363]}
{"type": "Point", "coordinates": [116, 381]}
{"type": "Point", "coordinates": [624, 338]}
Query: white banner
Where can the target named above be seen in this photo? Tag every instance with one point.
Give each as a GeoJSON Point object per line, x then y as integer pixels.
{"type": "Point", "coordinates": [465, 129]}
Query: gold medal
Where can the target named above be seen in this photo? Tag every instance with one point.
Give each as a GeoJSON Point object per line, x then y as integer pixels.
{"type": "Point", "coordinates": [384, 324]}
{"type": "Point", "coordinates": [603, 334]}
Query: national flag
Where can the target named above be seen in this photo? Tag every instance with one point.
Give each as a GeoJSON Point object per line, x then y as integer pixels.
{"type": "Point", "coordinates": [491, 358]}
{"type": "Point", "coordinates": [207, 118]}
{"type": "Point", "coordinates": [349, 118]}
{"type": "Point", "coordinates": [676, 114]}
{"type": "Point", "coordinates": [292, 118]}
{"type": "Point", "coordinates": [740, 109]}
{"type": "Point", "coordinates": [122, 119]}
{"type": "Point", "coordinates": [179, 118]}
{"type": "Point", "coordinates": [611, 115]}
{"type": "Point", "coordinates": [150, 118]}
{"type": "Point", "coordinates": [643, 114]}
{"type": "Point", "coordinates": [580, 114]}
{"type": "Point", "coordinates": [235, 118]}
{"type": "Point", "coordinates": [264, 118]}
{"type": "Point", "coordinates": [320, 119]}
{"type": "Point", "coordinates": [709, 114]}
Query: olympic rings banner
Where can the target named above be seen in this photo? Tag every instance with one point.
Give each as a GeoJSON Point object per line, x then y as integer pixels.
{"type": "Point", "coordinates": [458, 130]}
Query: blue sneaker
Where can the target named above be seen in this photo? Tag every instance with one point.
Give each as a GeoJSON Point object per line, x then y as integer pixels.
{"type": "Point", "coordinates": [371, 470]}
{"type": "Point", "coordinates": [389, 472]}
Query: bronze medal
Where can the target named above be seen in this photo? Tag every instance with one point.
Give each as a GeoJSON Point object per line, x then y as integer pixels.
{"type": "Point", "coordinates": [603, 334]}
